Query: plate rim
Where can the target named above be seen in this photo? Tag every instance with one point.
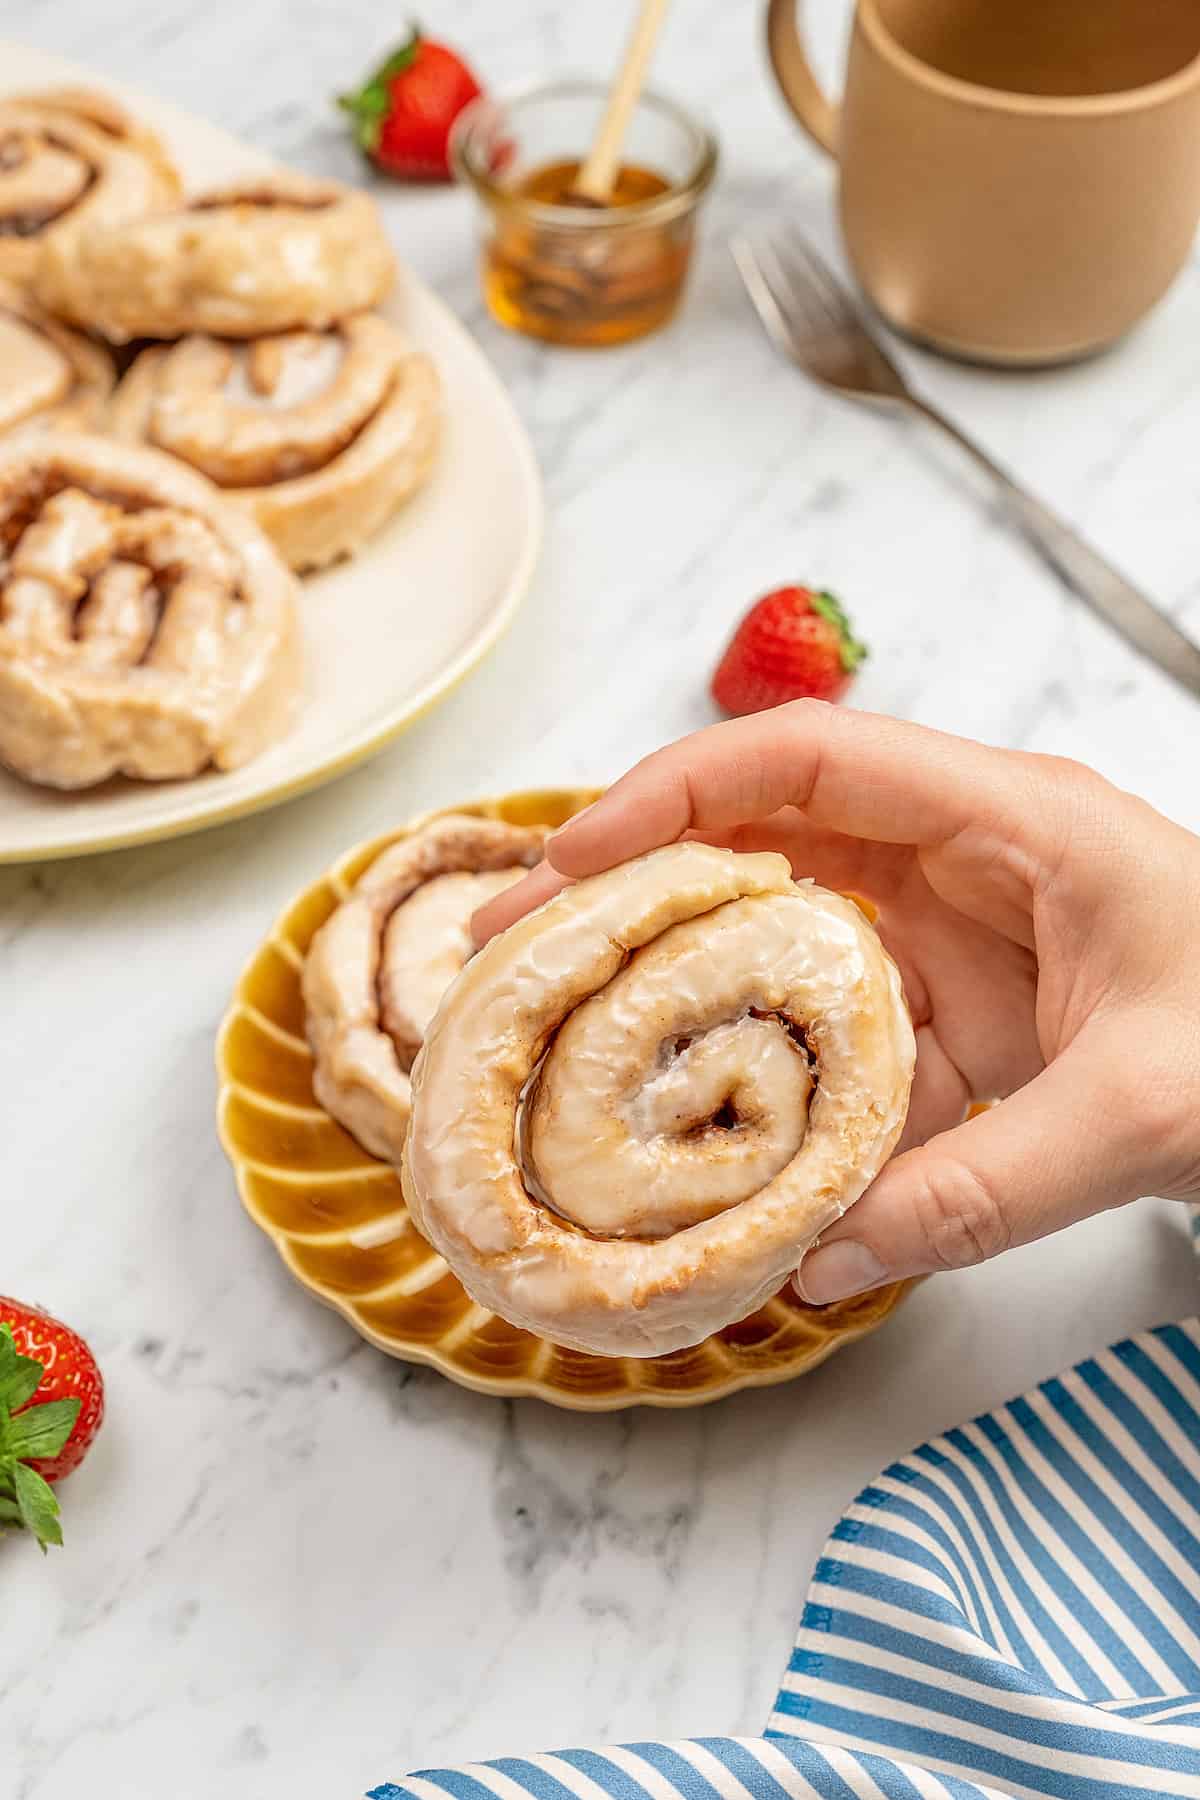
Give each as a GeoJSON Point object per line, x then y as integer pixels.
{"type": "Point", "coordinates": [516, 586]}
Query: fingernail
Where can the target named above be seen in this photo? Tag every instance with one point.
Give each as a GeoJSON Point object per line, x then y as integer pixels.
{"type": "Point", "coordinates": [837, 1271]}
{"type": "Point", "coordinates": [567, 823]}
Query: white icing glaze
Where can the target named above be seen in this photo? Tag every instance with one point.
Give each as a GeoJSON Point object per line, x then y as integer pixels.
{"type": "Point", "coordinates": [146, 628]}
{"type": "Point", "coordinates": [427, 942]}
{"type": "Point", "coordinates": [49, 374]}
{"type": "Point", "coordinates": [320, 436]}
{"type": "Point", "coordinates": [633, 1232]}
{"type": "Point", "coordinates": [71, 158]}
{"type": "Point", "coordinates": [283, 253]}
{"type": "Point", "coordinates": [300, 366]}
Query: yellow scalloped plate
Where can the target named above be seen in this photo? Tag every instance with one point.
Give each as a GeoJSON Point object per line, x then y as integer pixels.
{"type": "Point", "coordinates": [338, 1218]}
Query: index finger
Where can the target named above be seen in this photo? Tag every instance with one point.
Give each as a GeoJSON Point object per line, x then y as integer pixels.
{"type": "Point", "coordinates": [834, 860]}
{"type": "Point", "coordinates": [860, 774]}
{"type": "Point", "coordinates": [514, 902]}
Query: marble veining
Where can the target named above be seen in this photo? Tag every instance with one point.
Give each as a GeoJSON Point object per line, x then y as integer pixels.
{"type": "Point", "coordinates": [294, 1567]}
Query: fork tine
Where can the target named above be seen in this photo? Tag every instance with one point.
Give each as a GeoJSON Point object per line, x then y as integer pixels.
{"type": "Point", "coordinates": [846, 317]}
{"type": "Point", "coordinates": [807, 308]}
{"type": "Point", "coordinates": [748, 258]}
{"type": "Point", "coordinates": [812, 318]}
{"type": "Point", "coordinates": [804, 322]}
{"type": "Point", "coordinates": [795, 325]}
{"type": "Point", "coordinates": [813, 287]}
{"type": "Point", "coordinates": [796, 298]}
{"type": "Point", "coordinates": [823, 280]}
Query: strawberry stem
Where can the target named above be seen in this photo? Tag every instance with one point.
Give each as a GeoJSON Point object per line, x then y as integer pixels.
{"type": "Point", "coordinates": [852, 651]}
{"type": "Point", "coordinates": [369, 105]}
{"type": "Point", "coordinates": [28, 1432]}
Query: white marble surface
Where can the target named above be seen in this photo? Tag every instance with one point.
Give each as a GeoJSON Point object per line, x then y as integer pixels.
{"type": "Point", "coordinates": [293, 1566]}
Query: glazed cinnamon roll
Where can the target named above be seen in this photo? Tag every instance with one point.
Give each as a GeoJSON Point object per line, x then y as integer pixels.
{"type": "Point", "coordinates": [279, 254]}
{"type": "Point", "coordinates": [146, 628]}
{"type": "Point", "coordinates": [49, 374]}
{"type": "Point", "coordinates": [71, 159]}
{"type": "Point", "coordinates": [377, 969]}
{"type": "Point", "coordinates": [320, 436]}
{"type": "Point", "coordinates": [639, 1106]}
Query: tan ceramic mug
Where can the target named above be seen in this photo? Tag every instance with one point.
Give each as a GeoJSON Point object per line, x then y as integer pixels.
{"type": "Point", "coordinates": [1020, 179]}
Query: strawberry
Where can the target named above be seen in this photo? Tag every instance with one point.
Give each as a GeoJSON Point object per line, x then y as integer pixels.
{"type": "Point", "coordinates": [403, 113]}
{"type": "Point", "coordinates": [44, 1439]}
{"type": "Point", "coordinates": [792, 644]}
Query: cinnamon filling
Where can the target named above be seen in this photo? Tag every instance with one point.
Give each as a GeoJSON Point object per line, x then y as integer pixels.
{"type": "Point", "coordinates": [271, 411]}
{"type": "Point", "coordinates": [41, 178]}
{"type": "Point", "coordinates": [114, 584]}
{"type": "Point", "coordinates": [730, 1116]}
{"type": "Point", "coordinates": [264, 197]}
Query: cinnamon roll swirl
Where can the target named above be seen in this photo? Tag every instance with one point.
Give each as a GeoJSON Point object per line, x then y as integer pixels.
{"type": "Point", "coordinates": [639, 1106]}
{"type": "Point", "coordinates": [279, 254]}
{"type": "Point", "coordinates": [377, 969]}
{"type": "Point", "coordinates": [71, 159]}
{"type": "Point", "coordinates": [146, 628]}
{"type": "Point", "coordinates": [49, 374]}
{"type": "Point", "coordinates": [320, 436]}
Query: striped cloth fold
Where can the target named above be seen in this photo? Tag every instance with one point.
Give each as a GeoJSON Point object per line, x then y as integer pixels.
{"type": "Point", "coordinates": [1017, 1603]}
{"type": "Point", "coordinates": [1013, 1609]}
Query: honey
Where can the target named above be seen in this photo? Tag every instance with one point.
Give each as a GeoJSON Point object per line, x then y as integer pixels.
{"type": "Point", "coordinates": [591, 275]}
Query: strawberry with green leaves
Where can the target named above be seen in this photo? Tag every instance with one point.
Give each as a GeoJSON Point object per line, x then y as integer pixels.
{"type": "Point", "coordinates": [794, 644]}
{"type": "Point", "coordinates": [403, 113]}
{"type": "Point", "coordinates": [51, 1407]}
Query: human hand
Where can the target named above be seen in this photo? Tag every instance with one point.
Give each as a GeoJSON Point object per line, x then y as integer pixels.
{"type": "Point", "coordinates": [1047, 929]}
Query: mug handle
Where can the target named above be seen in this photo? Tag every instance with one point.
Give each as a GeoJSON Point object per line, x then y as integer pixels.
{"type": "Point", "coordinates": [794, 73]}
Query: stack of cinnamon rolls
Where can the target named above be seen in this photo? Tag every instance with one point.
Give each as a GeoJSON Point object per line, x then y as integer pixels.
{"type": "Point", "coordinates": [198, 403]}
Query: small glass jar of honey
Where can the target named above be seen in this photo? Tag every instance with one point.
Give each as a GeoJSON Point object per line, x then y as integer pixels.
{"type": "Point", "coordinates": [569, 270]}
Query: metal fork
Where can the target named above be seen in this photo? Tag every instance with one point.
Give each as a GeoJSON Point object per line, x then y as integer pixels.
{"type": "Point", "coordinates": [811, 318]}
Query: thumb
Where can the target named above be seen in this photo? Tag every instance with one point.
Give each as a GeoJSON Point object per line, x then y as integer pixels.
{"type": "Point", "coordinates": [1063, 1147]}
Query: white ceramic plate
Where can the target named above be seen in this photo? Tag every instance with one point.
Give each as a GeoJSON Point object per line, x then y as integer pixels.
{"type": "Point", "coordinates": [389, 633]}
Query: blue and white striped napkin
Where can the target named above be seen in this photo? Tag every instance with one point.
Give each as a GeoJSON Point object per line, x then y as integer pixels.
{"type": "Point", "coordinates": [1013, 1609]}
